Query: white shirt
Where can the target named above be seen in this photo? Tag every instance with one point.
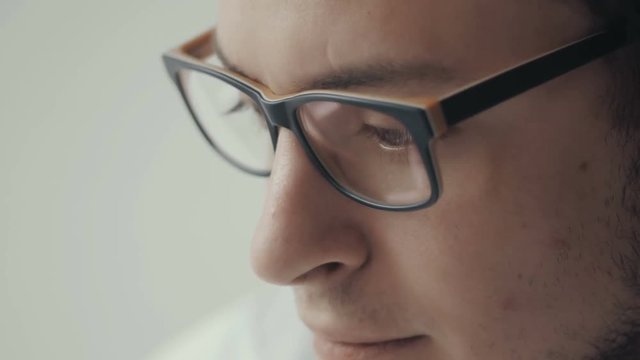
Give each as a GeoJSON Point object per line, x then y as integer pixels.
{"type": "Point", "coordinates": [262, 327]}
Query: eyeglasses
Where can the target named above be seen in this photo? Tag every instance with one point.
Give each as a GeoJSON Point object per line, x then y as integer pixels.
{"type": "Point", "coordinates": [375, 150]}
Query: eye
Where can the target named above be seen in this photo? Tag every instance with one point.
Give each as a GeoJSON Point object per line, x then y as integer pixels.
{"type": "Point", "coordinates": [389, 138]}
{"type": "Point", "coordinates": [242, 104]}
{"type": "Point", "coordinates": [247, 110]}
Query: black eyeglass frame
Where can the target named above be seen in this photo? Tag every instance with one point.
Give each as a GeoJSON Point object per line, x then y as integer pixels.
{"type": "Point", "coordinates": [426, 119]}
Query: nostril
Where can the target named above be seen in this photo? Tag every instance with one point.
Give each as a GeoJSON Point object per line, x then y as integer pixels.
{"type": "Point", "coordinates": [323, 270]}
{"type": "Point", "coordinates": [332, 267]}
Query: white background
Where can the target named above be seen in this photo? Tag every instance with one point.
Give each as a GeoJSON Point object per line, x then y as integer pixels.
{"type": "Point", "coordinates": [118, 226]}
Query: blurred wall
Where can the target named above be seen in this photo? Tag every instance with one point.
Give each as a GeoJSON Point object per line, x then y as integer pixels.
{"type": "Point", "coordinates": [118, 226]}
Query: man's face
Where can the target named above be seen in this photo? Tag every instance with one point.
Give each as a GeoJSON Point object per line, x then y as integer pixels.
{"type": "Point", "coordinates": [519, 259]}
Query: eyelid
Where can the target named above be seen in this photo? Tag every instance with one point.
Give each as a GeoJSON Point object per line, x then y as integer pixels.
{"type": "Point", "coordinates": [383, 121]}
{"type": "Point", "coordinates": [243, 103]}
{"type": "Point", "coordinates": [240, 105]}
{"type": "Point", "coordinates": [375, 132]}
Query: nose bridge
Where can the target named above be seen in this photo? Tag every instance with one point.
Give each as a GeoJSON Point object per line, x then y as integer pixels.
{"type": "Point", "coordinates": [306, 224]}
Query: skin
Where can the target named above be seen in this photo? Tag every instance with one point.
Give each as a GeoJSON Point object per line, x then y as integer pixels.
{"type": "Point", "coordinates": [521, 257]}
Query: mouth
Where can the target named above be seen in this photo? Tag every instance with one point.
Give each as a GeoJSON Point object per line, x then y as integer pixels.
{"type": "Point", "coordinates": [400, 348]}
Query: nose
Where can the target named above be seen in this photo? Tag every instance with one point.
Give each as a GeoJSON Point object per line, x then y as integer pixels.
{"type": "Point", "coordinates": [308, 230]}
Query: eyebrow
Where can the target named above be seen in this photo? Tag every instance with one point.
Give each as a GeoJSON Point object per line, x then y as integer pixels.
{"type": "Point", "coordinates": [366, 75]}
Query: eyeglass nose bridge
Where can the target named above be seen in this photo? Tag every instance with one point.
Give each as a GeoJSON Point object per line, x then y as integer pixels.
{"type": "Point", "coordinates": [278, 114]}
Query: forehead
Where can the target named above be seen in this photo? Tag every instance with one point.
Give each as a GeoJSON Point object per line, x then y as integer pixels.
{"type": "Point", "coordinates": [282, 43]}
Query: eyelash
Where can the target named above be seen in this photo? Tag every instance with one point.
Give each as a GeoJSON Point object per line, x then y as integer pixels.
{"type": "Point", "coordinates": [379, 134]}
{"type": "Point", "coordinates": [397, 154]}
{"type": "Point", "coordinates": [242, 105]}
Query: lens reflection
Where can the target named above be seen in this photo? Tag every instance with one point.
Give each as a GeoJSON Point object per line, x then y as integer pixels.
{"type": "Point", "coordinates": [369, 153]}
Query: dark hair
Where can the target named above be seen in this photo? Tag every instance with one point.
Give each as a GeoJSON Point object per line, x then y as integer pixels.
{"type": "Point", "coordinates": [624, 66]}
{"type": "Point", "coordinates": [624, 98]}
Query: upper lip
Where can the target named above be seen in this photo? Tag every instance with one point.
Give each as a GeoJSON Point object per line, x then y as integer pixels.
{"type": "Point", "coordinates": [373, 343]}
{"type": "Point", "coordinates": [359, 337]}
{"type": "Point", "coordinates": [343, 329]}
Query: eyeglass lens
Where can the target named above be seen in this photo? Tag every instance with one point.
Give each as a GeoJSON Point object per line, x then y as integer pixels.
{"type": "Point", "coordinates": [369, 153]}
{"type": "Point", "coordinates": [231, 120]}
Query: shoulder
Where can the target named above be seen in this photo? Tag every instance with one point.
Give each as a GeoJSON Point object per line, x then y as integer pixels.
{"type": "Point", "coordinates": [264, 326]}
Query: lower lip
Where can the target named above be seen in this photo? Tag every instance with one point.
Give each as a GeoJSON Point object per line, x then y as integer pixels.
{"type": "Point", "coordinates": [396, 349]}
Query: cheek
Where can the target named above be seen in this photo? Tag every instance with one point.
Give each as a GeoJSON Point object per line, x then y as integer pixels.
{"type": "Point", "coordinates": [483, 277]}
{"type": "Point", "coordinates": [517, 248]}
